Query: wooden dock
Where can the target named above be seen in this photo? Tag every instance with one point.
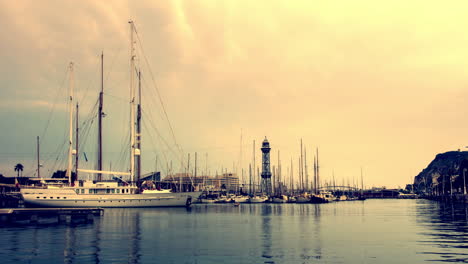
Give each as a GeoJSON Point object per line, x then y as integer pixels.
{"type": "Point", "coordinates": [62, 215]}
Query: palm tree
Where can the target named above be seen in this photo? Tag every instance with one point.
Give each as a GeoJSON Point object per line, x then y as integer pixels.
{"type": "Point", "coordinates": [19, 168]}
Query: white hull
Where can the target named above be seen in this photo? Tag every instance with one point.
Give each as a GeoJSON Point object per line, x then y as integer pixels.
{"type": "Point", "coordinates": [278, 200]}
{"type": "Point", "coordinates": [207, 201]}
{"type": "Point", "coordinates": [257, 199]}
{"type": "Point", "coordinates": [301, 199]}
{"type": "Point", "coordinates": [241, 199]}
{"type": "Point", "coordinates": [65, 198]}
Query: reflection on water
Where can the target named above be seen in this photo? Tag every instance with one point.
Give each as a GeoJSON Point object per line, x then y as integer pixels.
{"type": "Point", "coordinates": [447, 231]}
{"type": "Point", "coordinates": [372, 231]}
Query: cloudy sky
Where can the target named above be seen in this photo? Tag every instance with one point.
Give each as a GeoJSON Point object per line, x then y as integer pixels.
{"type": "Point", "coordinates": [373, 84]}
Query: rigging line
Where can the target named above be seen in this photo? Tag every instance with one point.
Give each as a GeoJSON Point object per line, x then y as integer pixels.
{"type": "Point", "coordinates": [150, 98]}
{"type": "Point", "coordinates": [60, 152]}
{"type": "Point", "coordinates": [156, 88]}
{"type": "Point", "coordinates": [116, 55]}
{"type": "Point", "coordinates": [154, 145]}
{"type": "Point", "coordinates": [91, 83]}
{"type": "Point", "coordinates": [124, 149]}
{"type": "Point", "coordinates": [159, 134]}
{"type": "Point", "coordinates": [148, 116]}
{"type": "Point", "coordinates": [55, 102]}
{"type": "Point", "coordinates": [116, 97]}
{"type": "Point", "coordinates": [162, 151]}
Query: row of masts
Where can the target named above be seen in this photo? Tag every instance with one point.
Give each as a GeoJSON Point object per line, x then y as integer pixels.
{"type": "Point", "coordinates": [290, 183]}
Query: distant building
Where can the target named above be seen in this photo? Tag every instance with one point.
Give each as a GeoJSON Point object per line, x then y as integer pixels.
{"type": "Point", "coordinates": [229, 180]}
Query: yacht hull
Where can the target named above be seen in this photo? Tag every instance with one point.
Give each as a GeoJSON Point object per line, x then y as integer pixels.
{"type": "Point", "coordinates": [57, 199]}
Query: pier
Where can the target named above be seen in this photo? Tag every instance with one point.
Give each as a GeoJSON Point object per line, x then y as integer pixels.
{"type": "Point", "coordinates": [62, 215]}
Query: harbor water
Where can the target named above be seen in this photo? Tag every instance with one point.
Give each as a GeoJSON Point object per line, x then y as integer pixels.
{"type": "Point", "coordinates": [371, 231]}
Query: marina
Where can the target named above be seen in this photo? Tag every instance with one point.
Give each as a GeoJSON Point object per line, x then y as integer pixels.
{"type": "Point", "coordinates": [233, 132]}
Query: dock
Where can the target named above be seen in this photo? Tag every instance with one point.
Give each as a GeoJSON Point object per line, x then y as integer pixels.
{"type": "Point", "coordinates": [61, 215]}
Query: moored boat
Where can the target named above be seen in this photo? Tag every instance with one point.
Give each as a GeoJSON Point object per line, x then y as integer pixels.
{"type": "Point", "coordinates": [258, 199]}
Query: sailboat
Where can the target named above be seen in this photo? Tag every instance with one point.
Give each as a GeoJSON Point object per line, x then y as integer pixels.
{"type": "Point", "coordinates": [104, 193]}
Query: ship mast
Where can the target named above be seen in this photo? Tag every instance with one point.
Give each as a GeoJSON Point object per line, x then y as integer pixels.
{"type": "Point", "coordinates": [138, 131]}
{"type": "Point", "coordinates": [70, 142]}
{"type": "Point", "coordinates": [101, 102]}
{"type": "Point", "coordinates": [318, 173]}
{"type": "Point", "coordinates": [76, 143]}
{"type": "Point", "coordinates": [132, 107]}
{"type": "Point", "coordinates": [38, 160]}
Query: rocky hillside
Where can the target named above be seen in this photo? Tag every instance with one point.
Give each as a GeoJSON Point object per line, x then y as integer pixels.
{"type": "Point", "coordinates": [443, 174]}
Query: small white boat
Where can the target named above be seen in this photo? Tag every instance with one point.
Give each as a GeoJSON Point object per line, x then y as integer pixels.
{"type": "Point", "coordinates": [258, 199]}
{"type": "Point", "coordinates": [207, 200]}
{"type": "Point", "coordinates": [280, 199]}
{"type": "Point", "coordinates": [241, 199]}
{"type": "Point", "coordinates": [303, 199]}
{"type": "Point", "coordinates": [327, 196]}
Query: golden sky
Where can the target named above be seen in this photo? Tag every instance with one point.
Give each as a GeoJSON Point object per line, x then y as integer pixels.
{"type": "Point", "coordinates": [372, 84]}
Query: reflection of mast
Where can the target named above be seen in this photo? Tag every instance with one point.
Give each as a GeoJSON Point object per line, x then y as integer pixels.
{"type": "Point", "coordinates": [96, 241]}
{"type": "Point", "coordinates": [317, 216]}
{"type": "Point", "coordinates": [266, 228]}
{"type": "Point", "coordinates": [135, 247]}
{"type": "Point", "coordinates": [70, 245]}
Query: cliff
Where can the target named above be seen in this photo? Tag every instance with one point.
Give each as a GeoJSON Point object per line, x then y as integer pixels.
{"type": "Point", "coordinates": [443, 174]}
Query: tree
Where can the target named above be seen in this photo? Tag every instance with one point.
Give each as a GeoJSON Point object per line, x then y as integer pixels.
{"type": "Point", "coordinates": [19, 168]}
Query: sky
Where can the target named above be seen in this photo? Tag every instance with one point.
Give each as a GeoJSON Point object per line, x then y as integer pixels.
{"type": "Point", "coordinates": [377, 85]}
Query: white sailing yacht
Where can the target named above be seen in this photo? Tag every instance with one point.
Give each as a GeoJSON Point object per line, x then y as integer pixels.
{"type": "Point", "coordinates": [104, 194]}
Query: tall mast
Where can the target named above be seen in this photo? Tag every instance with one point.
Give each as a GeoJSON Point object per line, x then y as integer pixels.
{"type": "Point", "coordinates": [278, 174]}
{"type": "Point", "coordinates": [195, 170]}
{"type": "Point", "coordinates": [292, 177]}
{"type": "Point", "coordinates": [301, 189]}
{"type": "Point", "coordinates": [254, 178]}
{"type": "Point", "coordinates": [305, 171]}
{"type": "Point", "coordinates": [318, 172]}
{"type": "Point", "coordinates": [138, 132]}
{"type": "Point", "coordinates": [76, 143]}
{"type": "Point", "coordinates": [315, 174]}
{"type": "Point", "coordinates": [301, 164]}
{"type": "Point", "coordinates": [101, 102]}
{"type": "Point", "coordinates": [132, 108]}
{"type": "Point", "coordinates": [250, 179]}
{"type": "Point", "coordinates": [70, 138]}
{"type": "Point", "coordinates": [38, 160]}
{"type": "Point", "coordinates": [362, 183]}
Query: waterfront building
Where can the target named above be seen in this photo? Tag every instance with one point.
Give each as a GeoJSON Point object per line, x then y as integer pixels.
{"type": "Point", "coordinates": [227, 181]}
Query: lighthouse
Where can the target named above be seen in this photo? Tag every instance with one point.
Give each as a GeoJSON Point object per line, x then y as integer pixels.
{"type": "Point", "coordinates": [266, 173]}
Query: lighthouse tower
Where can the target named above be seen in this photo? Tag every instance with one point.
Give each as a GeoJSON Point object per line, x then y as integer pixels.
{"type": "Point", "coordinates": [266, 173]}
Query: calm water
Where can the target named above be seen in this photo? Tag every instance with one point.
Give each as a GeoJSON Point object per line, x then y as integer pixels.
{"type": "Point", "coordinates": [372, 231]}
